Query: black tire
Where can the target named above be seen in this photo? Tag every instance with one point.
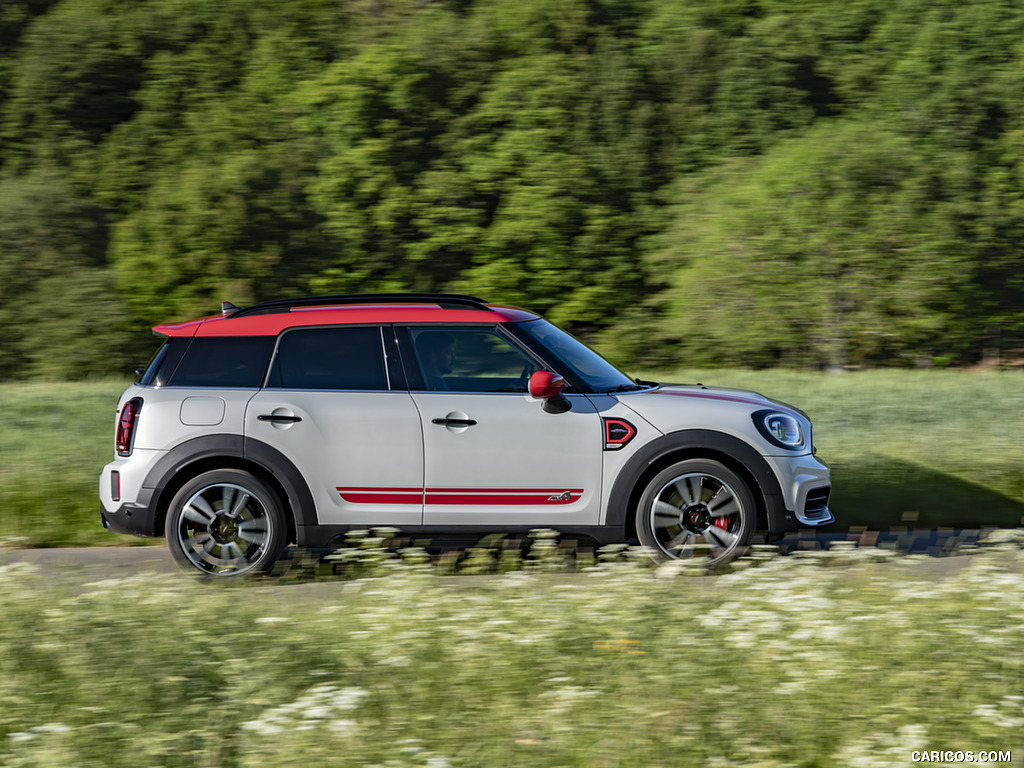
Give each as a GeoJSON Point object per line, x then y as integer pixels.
{"type": "Point", "coordinates": [226, 523]}
{"type": "Point", "coordinates": [696, 510]}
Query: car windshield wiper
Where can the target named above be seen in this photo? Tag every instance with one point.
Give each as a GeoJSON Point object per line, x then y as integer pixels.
{"type": "Point", "coordinates": [626, 388]}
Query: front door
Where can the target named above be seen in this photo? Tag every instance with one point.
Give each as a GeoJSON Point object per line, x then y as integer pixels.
{"type": "Point", "coordinates": [493, 455]}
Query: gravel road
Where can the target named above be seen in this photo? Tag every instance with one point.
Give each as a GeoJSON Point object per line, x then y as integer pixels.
{"type": "Point", "coordinates": [81, 565]}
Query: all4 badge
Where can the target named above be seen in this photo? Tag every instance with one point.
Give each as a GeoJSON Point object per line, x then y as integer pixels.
{"type": "Point", "coordinates": [561, 497]}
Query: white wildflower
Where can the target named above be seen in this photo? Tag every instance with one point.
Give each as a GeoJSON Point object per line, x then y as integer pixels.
{"type": "Point", "coordinates": [320, 705]}
{"type": "Point", "coordinates": [343, 727]}
{"type": "Point", "coordinates": [52, 728]}
{"type": "Point", "coordinates": [882, 750]}
{"type": "Point", "coordinates": [996, 714]}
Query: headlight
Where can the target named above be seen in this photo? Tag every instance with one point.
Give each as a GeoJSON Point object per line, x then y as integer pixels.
{"type": "Point", "coordinates": [780, 429]}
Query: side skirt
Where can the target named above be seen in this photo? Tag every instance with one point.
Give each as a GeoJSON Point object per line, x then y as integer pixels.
{"type": "Point", "coordinates": [333, 536]}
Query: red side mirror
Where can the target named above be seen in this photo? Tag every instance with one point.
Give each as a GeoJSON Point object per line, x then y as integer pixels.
{"type": "Point", "coordinates": [544, 385]}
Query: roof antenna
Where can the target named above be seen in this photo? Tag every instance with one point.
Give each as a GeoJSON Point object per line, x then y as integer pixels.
{"type": "Point", "coordinates": [227, 308]}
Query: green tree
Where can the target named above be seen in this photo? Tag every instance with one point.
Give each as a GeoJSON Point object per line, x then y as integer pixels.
{"type": "Point", "coordinates": [236, 229]}
{"type": "Point", "coordinates": [996, 232]}
{"type": "Point", "coordinates": [834, 249]}
{"type": "Point", "coordinates": [75, 71]}
{"type": "Point", "coordinates": [507, 151]}
{"type": "Point", "coordinates": [15, 17]}
{"type": "Point", "coordinates": [61, 314]}
{"type": "Point", "coordinates": [210, 174]}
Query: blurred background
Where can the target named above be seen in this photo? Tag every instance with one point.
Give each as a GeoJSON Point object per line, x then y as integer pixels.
{"type": "Point", "coordinates": [819, 184]}
{"type": "Point", "coordinates": [700, 190]}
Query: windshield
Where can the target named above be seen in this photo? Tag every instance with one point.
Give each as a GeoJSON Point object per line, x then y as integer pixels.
{"type": "Point", "coordinates": [598, 373]}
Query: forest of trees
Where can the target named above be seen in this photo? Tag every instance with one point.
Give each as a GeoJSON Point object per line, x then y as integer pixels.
{"type": "Point", "coordinates": [812, 183]}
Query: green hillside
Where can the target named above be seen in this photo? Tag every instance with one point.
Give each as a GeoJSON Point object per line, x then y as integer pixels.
{"type": "Point", "coordinates": [717, 182]}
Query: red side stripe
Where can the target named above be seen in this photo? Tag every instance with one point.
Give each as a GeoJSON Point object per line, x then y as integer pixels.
{"type": "Point", "coordinates": [499, 499]}
{"type": "Point", "coordinates": [548, 491]}
{"type": "Point", "coordinates": [347, 488]}
{"type": "Point", "coordinates": [380, 498]}
{"type": "Point", "coordinates": [367, 495]}
{"type": "Point", "coordinates": [459, 496]}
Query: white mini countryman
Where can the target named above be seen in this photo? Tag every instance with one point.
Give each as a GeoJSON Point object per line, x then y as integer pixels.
{"type": "Point", "coordinates": [444, 416]}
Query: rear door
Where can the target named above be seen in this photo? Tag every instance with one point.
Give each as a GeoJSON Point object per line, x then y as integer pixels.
{"type": "Point", "coordinates": [332, 406]}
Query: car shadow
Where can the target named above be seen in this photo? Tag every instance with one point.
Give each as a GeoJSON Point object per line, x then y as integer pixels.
{"type": "Point", "coordinates": [898, 494]}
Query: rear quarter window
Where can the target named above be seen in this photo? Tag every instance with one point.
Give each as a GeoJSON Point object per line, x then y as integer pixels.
{"type": "Point", "coordinates": [231, 361]}
{"type": "Point", "coordinates": [166, 359]}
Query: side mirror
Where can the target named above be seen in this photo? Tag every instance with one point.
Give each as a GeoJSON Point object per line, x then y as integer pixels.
{"type": "Point", "coordinates": [547, 386]}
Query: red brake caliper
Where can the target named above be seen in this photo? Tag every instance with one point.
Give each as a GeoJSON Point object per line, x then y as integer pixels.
{"type": "Point", "coordinates": [723, 522]}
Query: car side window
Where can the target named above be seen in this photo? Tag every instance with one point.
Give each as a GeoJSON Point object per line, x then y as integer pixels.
{"type": "Point", "coordinates": [350, 358]}
{"type": "Point", "coordinates": [469, 359]}
{"type": "Point", "coordinates": [224, 361]}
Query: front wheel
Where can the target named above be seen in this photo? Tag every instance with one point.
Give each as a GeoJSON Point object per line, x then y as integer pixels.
{"type": "Point", "coordinates": [696, 509]}
{"type": "Point", "coordinates": [226, 523]}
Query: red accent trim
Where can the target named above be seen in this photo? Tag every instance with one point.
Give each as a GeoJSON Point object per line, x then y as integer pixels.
{"type": "Point", "coordinates": [363, 495]}
{"type": "Point", "coordinates": [375, 488]}
{"type": "Point", "coordinates": [495, 500]}
{"type": "Point", "coordinates": [548, 491]}
{"type": "Point", "coordinates": [273, 324]}
{"type": "Point", "coordinates": [181, 329]}
{"type": "Point", "coordinates": [461, 496]}
{"type": "Point", "coordinates": [612, 443]}
{"type": "Point", "coordinates": [382, 498]}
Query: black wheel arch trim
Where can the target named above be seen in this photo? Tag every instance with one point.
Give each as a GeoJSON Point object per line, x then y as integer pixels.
{"type": "Point", "coordinates": [161, 477]}
{"type": "Point", "coordinates": [694, 443]}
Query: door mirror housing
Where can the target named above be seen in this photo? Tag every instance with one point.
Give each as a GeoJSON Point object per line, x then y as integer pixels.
{"type": "Point", "coordinates": [545, 384]}
{"type": "Point", "coordinates": [548, 386]}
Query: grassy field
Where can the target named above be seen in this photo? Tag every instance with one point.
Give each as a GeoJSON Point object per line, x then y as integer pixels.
{"type": "Point", "coordinates": [908, 448]}
{"type": "Point", "coordinates": [55, 440]}
{"type": "Point", "coordinates": [823, 659]}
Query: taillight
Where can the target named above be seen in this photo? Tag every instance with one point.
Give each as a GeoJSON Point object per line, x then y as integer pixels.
{"type": "Point", "coordinates": [126, 424]}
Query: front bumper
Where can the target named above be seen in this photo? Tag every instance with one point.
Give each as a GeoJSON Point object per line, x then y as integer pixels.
{"type": "Point", "coordinates": [806, 484]}
{"type": "Point", "coordinates": [815, 512]}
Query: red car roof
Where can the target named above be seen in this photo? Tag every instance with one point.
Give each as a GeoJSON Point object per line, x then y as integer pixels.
{"type": "Point", "coordinates": [273, 324]}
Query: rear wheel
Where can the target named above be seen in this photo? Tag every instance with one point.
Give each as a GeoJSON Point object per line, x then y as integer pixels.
{"type": "Point", "coordinates": [226, 523]}
{"type": "Point", "coordinates": [696, 509]}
